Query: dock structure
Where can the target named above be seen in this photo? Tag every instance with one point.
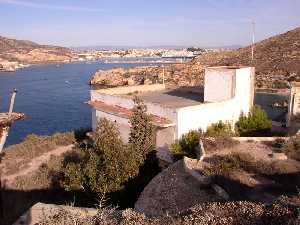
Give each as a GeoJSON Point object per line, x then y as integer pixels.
{"type": "Point", "coordinates": [7, 118]}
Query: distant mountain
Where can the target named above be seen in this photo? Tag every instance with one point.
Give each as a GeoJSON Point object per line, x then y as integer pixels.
{"type": "Point", "coordinates": [29, 52]}
{"type": "Point", "coordinates": [276, 59]}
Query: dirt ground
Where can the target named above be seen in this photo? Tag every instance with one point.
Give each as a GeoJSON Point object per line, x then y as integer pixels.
{"type": "Point", "coordinates": [32, 166]}
{"type": "Point", "coordinates": [173, 190]}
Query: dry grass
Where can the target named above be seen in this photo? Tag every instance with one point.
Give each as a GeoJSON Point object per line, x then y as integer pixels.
{"type": "Point", "coordinates": [213, 144]}
{"type": "Point", "coordinates": [284, 211]}
{"type": "Point", "coordinates": [17, 156]}
{"type": "Point", "coordinates": [224, 165]}
{"type": "Point", "coordinates": [292, 148]}
{"type": "Point", "coordinates": [47, 176]}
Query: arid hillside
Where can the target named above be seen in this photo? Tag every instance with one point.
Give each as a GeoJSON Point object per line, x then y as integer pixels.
{"type": "Point", "coordinates": [276, 59]}
{"type": "Point", "coordinates": [29, 52]}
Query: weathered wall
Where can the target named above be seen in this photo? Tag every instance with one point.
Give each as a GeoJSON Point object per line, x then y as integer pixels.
{"type": "Point", "coordinates": [219, 84]}
{"type": "Point", "coordinates": [202, 116]}
{"type": "Point", "coordinates": [294, 104]}
{"type": "Point", "coordinates": [153, 108]}
{"type": "Point", "coordinates": [164, 138]}
{"type": "Point", "coordinates": [131, 89]}
{"type": "Point", "coordinates": [122, 123]}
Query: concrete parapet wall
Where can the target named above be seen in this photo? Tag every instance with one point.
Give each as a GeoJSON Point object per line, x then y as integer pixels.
{"type": "Point", "coordinates": [131, 89]}
{"type": "Point", "coordinates": [112, 99]}
{"type": "Point", "coordinates": [153, 108]}
{"type": "Point", "coordinates": [202, 116]}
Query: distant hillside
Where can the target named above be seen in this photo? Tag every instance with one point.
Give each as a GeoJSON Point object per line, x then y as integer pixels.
{"type": "Point", "coordinates": [277, 59]}
{"type": "Point", "coordinates": [29, 52]}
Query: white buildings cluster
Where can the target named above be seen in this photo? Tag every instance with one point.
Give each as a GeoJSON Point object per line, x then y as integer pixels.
{"type": "Point", "coordinates": [139, 53]}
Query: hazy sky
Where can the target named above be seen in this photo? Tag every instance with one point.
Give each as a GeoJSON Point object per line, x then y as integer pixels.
{"type": "Point", "coordinates": [146, 22]}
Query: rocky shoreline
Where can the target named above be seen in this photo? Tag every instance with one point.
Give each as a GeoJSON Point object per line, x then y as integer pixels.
{"type": "Point", "coordinates": [174, 74]}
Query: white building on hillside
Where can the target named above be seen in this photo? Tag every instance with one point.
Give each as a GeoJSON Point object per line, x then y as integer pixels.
{"type": "Point", "coordinates": [228, 92]}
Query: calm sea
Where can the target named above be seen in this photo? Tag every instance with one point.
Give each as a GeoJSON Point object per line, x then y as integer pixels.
{"type": "Point", "coordinates": [53, 96]}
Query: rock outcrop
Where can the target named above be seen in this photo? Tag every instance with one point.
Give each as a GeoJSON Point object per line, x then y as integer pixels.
{"type": "Point", "coordinates": [126, 76]}
{"type": "Point", "coordinates": [176, 74]}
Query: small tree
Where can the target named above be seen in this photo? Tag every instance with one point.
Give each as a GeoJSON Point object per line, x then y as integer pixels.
{"type": "Point", "coordinates": [107, 166]}
{"type": "Point", "coordinates": [186, 145]}
{"type": "Point", "coordinates": [111, 163]}
{"type": "Point", "coordinates": [142, 131]}
{"type": "Point", "coordinates": [255, 124]}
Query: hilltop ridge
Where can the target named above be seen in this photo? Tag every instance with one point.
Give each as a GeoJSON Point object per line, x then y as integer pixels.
{"type": "Point", "coordinates": [14, 51]}
{"type": "Point", "coordinates": [276, 59]}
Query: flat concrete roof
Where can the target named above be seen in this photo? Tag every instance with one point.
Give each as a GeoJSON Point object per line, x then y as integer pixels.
{"type": "Point", "coordinates": [173, 97]}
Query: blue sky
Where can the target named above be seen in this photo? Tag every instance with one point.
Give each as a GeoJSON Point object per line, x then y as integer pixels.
{"type": "Point", "coordinates": [146, 22]}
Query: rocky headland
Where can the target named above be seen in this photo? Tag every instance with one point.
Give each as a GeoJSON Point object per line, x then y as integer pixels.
{"type": "Point", "coordinates": [16, 54]}
{"type": "Point", "coordinates": [176, 74]}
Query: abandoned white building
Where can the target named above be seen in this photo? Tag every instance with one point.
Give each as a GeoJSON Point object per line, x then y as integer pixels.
{"type": "Point", "coordinates": [228, 92]}
{"type": "Point", "coordinates": [293, 116]}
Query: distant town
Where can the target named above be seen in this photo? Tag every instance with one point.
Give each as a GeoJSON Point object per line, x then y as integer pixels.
{"type": "Point", "coordinates": [134, 55]}
{"type": "Point", "coordinates": [163, 53]}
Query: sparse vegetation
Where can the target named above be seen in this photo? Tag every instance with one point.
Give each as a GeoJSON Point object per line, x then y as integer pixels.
{"type": "Point", "coordinates": [292, 148]}
{"type": "Point", "coordinates": [280, 84]}
{"type": "Point", "coordinates": [283, 211]}
{"type": "Point", "coordinates": [46, 177]}
{"type": "Point", "coordinates": [224, 165]}
{"type": "Point", "coordinates": [256, 123]}
{"type": "Point", "coordinates": [32, 147]}
{"type": "Point", "coordinates": [220, 129]}
{"type": "Point", "coordinates": [186, 146]}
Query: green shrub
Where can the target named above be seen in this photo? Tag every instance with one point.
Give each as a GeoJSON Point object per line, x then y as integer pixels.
{"type": "Point", "coordinates": [219, 129]}
{"type": "Point", "coordinates": [292, 148]}
{"type": "Point", "coordinates": [80, 133]}
{"type": "Point", "coordinates": [142, 131]}
{"type": "Point", "coordinates": [256, 123]}
{"type": "Point", "coordinates": [110, 164]}
{"type": "Point", "coordinates": [186, 145]}
{"type": "Point", "coordinates": [106, 167]}
{"type": "Point", "coordinates": [280, 84]}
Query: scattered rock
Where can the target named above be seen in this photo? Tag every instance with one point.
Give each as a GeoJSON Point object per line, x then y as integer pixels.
{"type": "Point", "coordinates": [221, 192]}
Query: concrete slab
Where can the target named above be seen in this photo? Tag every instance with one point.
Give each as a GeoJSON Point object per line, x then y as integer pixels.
{"type": "Point", "coordinates": [174, 97]}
